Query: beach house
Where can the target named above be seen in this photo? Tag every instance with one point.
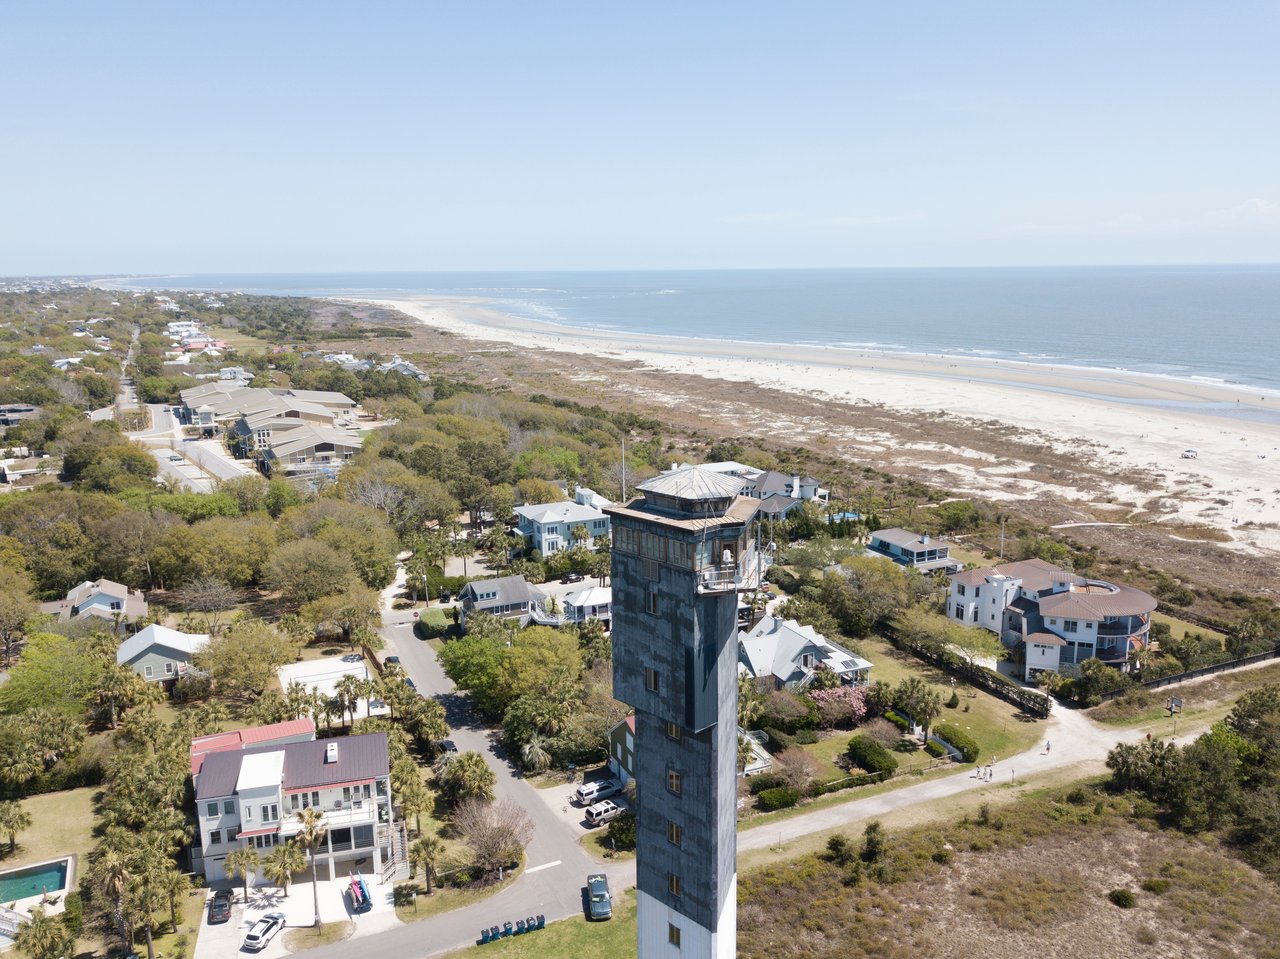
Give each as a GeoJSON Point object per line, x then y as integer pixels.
{"type": "Point", "coordinates": [552, 527]}
{"type": "Point", "coordinates": [779, 653]}
{"type": "Point", "coordinates": [1053, 619]}
{"type": "Point", "coordinates": [507, 597]}
{"type": "Point", "coordinates": [252, 797]}
{"type": "Point", "coordinates": [920, 551]}
{"type": "Point", "coordinates": [159, 654]}
{"type": "Point", "coordinates": [102, 598]}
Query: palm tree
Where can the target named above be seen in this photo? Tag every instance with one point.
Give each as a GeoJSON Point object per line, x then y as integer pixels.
{"type": "Point", "coordinates": [414, 798]}
{"type": "Point", "coordinates": [426, 853]}
{"type": "Point", "coordinates": [241, 863]}
{"type": "Point", "coordinates": [13, 819]}
{"type": "Point", "coordinates": [347, 691]}
{"type": "Point", "coordinates": [309, 837]}
{"type": "Point", "coordinates": [113, 872]}
{"type": "Point", "coordinates": [283, 862]}
{"type": "Point", "coordinates": [467, 777]}
{"type": "Point", "coordinates": [534, 753]}
{"type": "Point", "coordinates": [368, 640]}
{"type": "Point", "coordinates": [44, 937]}
{"type": "Point", "coordinates": [464, 549]}
{"type": "Point", "coordinates": [174, 884]}
{"type": "Point", "coordinates": [299, 699]}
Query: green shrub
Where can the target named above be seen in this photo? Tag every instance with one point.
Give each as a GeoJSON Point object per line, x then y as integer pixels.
{"type": "Point", "coordinates": [806, 737]}
{"type": "Point", "coordinates": [954, 701]}
{"type": "Point", "coordinates": [840, 850]}
{"type": "Point", "coordinates": [780, 797]}
{"type": "Point", "coordinates": [957, 739]}
{"type": "Point", "coordinates": [935, 749]}
{"type": "Point", "coordinates": [73, 913]}
{"type": "Point", "coordinates": [762, 781]}
{"type": "Point", "coordinates": [1156, 886]}
{"type": "Point", "coordinates": [870, 755]}
{"type": "Point", "coordinates": [622, 831]}
{"type": "Point", "coordinates": [898, 720]}
{"type": "Point", "coordinates": [943, 856]}
{"type": "Point", "coordinates": [1123, 898]}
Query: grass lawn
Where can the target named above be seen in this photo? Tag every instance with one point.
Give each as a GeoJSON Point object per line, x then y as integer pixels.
{"type": "Point", "coordinates": [1204, 701]}
{"type": "Point", "coordinates": [61, 823]}
{"type": "Point", "coordinates": [237, 340]}
{"type": "Point", "coordinates": [189, 917]}
{"type": "Point", "coordinates": [296, 940]}
{"type": "Point", "coordinates": [596, 844]}
{"type": "Point", "coordinates": [574, 938]}
{"type": "Point", "coordinates": [1180, 627]}
{"type": "Point", "coordinates": [446, 899]}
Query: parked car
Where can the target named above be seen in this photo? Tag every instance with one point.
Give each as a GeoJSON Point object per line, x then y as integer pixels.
{"type": "Point", "coordinates": [175, 458]}
{"type": "Point", "coordinates": [591, 792]}
{"type": "Point", "coordinates": [448, 746]}
{"type": "Point", "coordinates": [390, 659]}
{"type": "Point", "coordinates": [603, 812]}
{"type": "Point", "coordinates": [411, 684]}
{"type": "Point", "coordinates": [263, 931]}
{"type": "Point", "coordinates": [571, 578]}
{"type": "Point", "coordinates": [599, 902]}
{"type": "Point", "coordinates": [220, 907]}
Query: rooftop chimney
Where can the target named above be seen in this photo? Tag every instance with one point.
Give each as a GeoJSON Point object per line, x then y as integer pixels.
{"type": "Point", "coordinates": [924, 537]}
{"type": "Point", "coordinates": [331, 753]}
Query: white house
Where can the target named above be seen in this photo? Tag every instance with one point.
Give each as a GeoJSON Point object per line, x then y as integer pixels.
{"type": "Point", "coordinates": [159, 654]}
{"type": "Point", "coordinates": [102, 598]}
{"type": "Point", "coordinates": [782, 653]}
{"type": "Point", "coordinates": [1055, 618]}
{"type": "Point", "coordinates": [590, 603]}
{"type": "Point", "coordinates": [552, 527]}
{"type": "Point", "coordinates": [251, 797]}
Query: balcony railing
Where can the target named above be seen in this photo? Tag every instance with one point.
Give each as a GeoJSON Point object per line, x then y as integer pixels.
{"type": "Point", "coordinates": [746, 574]}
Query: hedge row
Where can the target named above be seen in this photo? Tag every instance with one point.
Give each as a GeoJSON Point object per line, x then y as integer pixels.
{"type": "Point", "coordinates": [957, 739]}
{"type": "Point", "coordinates": [898, 720]}
{"type": "Point", "coordinates": [997, 684]}
{"type": "Point", "coordinates": [868, 754]}
{"type": "Point", "coordinates": [935, 749]}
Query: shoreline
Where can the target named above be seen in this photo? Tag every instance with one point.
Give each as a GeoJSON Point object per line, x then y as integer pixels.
{"type": "Point", "coordinates": [1121, 419]}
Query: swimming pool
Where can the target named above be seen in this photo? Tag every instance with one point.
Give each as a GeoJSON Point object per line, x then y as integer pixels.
{"type": "Point", "coordinates": [33, 880]}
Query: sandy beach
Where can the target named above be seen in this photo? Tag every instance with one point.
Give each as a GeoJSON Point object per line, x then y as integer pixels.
{"type": "Point", "coordinates": [1127, 424]}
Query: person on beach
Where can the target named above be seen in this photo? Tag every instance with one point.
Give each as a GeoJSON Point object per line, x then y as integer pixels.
{"type": "Point", "coordinates": [1047, 746]}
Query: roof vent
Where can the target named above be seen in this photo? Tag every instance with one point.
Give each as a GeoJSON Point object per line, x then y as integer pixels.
{"type": "Point", "coordinates": [331, 753]}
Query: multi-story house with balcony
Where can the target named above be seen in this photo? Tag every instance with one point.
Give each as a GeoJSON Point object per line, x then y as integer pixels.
{"type": "Point", "coordinates": [919, 551]}
{"type": "Point", "coordinates": [1052, 617]}
{"type": "Point", "coordinates": [552, 527]}
{"type": "Point", "coordinates": [252, 797]}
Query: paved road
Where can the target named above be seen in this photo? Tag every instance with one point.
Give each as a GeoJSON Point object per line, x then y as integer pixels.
{"type": "Point", "coordinates": [557, 866]}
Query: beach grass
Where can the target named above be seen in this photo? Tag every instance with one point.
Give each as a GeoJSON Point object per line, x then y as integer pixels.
{"type": "Point", "coordinates": [1180, 627]}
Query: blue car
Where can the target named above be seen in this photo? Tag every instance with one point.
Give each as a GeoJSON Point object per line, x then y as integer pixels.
{"type": "Point", "coordinates": [411, 684]}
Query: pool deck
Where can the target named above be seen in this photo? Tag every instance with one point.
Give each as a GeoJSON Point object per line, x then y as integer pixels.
{"type": "Point", "coordinates": [54, 902]}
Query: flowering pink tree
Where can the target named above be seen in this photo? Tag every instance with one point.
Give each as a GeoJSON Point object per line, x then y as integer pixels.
{"type": "Point", "coordinates": [841, 706]}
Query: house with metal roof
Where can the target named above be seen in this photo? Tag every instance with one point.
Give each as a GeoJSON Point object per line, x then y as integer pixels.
{"type": "Point", "coordinates": [1051, 617]}
{"type": "Point", "coordinates": [508, 597]}
{"type": "Point", "coordinates": [920, 551]}
{"type": "Point", "coordinates": [159, 654]}
{"type": "Point", "coordinates": [253, 797]}
{"type": "Point", "coordinates": [552, 527]}
{"type": "Point", "coordinates": [310, 449]}
{"type": "Point", "coordinates": [779, 654]}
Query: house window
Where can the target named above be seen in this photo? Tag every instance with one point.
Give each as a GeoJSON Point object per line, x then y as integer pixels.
{"type": "Point", "coordinates": [652, 680]}
{"type": "Point", "coordinates": [168, 669]}
{"type": "Point", "coordinates": [229, 807]}
{"type": "Point", "coordinates": [315, 798]}
{"type": "Point", "coordinates": [807, 660]}
{"type": "Point", "coordinates": [651, 602]}
{"type": "Point", "coordinates": [1070, 626]}
{"type": "Point", "coordinates": [293, 802]}
{"type": "Point", "coordinates": [674, 833]}
{"type": "Point", "coordinates": [248, 814]}
{"type": "Point", "coordinates": [346, 793]}
{"type": "Point", "coordinates": [211, 810]}
{"type": "Point", "coordinates": [975, 614]}
{"type": "Point", "coordinates": [673, 731]}
{"type": "Point", "coordinates": [215, 837]}
{"type": "Point", "coordinates": [673, 934]}
{"type": "Point", "coordinates": [367, 789]}
{"type": "Point", "coordinates": [960, 589]}
{"type": "Point", "coordinates": [270, 813]}
{"type": "Point", "coordinates": [673, 782]}
{"type": "Point", "coordinates": [673, 884]}
{"type": "Point", "coordinates": [146, 671]}
{"type": "Point", "coordinates": [232, 833]}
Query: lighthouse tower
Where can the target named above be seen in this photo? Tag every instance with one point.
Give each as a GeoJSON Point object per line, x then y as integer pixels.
{"type": "Point", "coordinates": [682, 551]}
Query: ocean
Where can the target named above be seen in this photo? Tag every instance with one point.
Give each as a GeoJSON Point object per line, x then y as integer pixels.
{"type": "Point", "coordinates": [1207, 322]}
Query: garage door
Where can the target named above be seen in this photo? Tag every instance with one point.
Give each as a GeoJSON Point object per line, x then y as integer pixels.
{"type": "Point", "coordinates": [214, 870]}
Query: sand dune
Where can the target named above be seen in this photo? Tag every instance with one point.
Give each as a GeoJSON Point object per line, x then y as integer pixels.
{"type": "Point", "coordinates": [1134, 421]}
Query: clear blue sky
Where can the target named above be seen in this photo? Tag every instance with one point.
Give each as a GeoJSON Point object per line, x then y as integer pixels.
{"type": "Point", "coordinates": [273, 136]}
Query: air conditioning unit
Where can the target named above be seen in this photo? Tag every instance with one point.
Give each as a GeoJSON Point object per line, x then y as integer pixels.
{"type": "Point", "coordinates": [337, 804]}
